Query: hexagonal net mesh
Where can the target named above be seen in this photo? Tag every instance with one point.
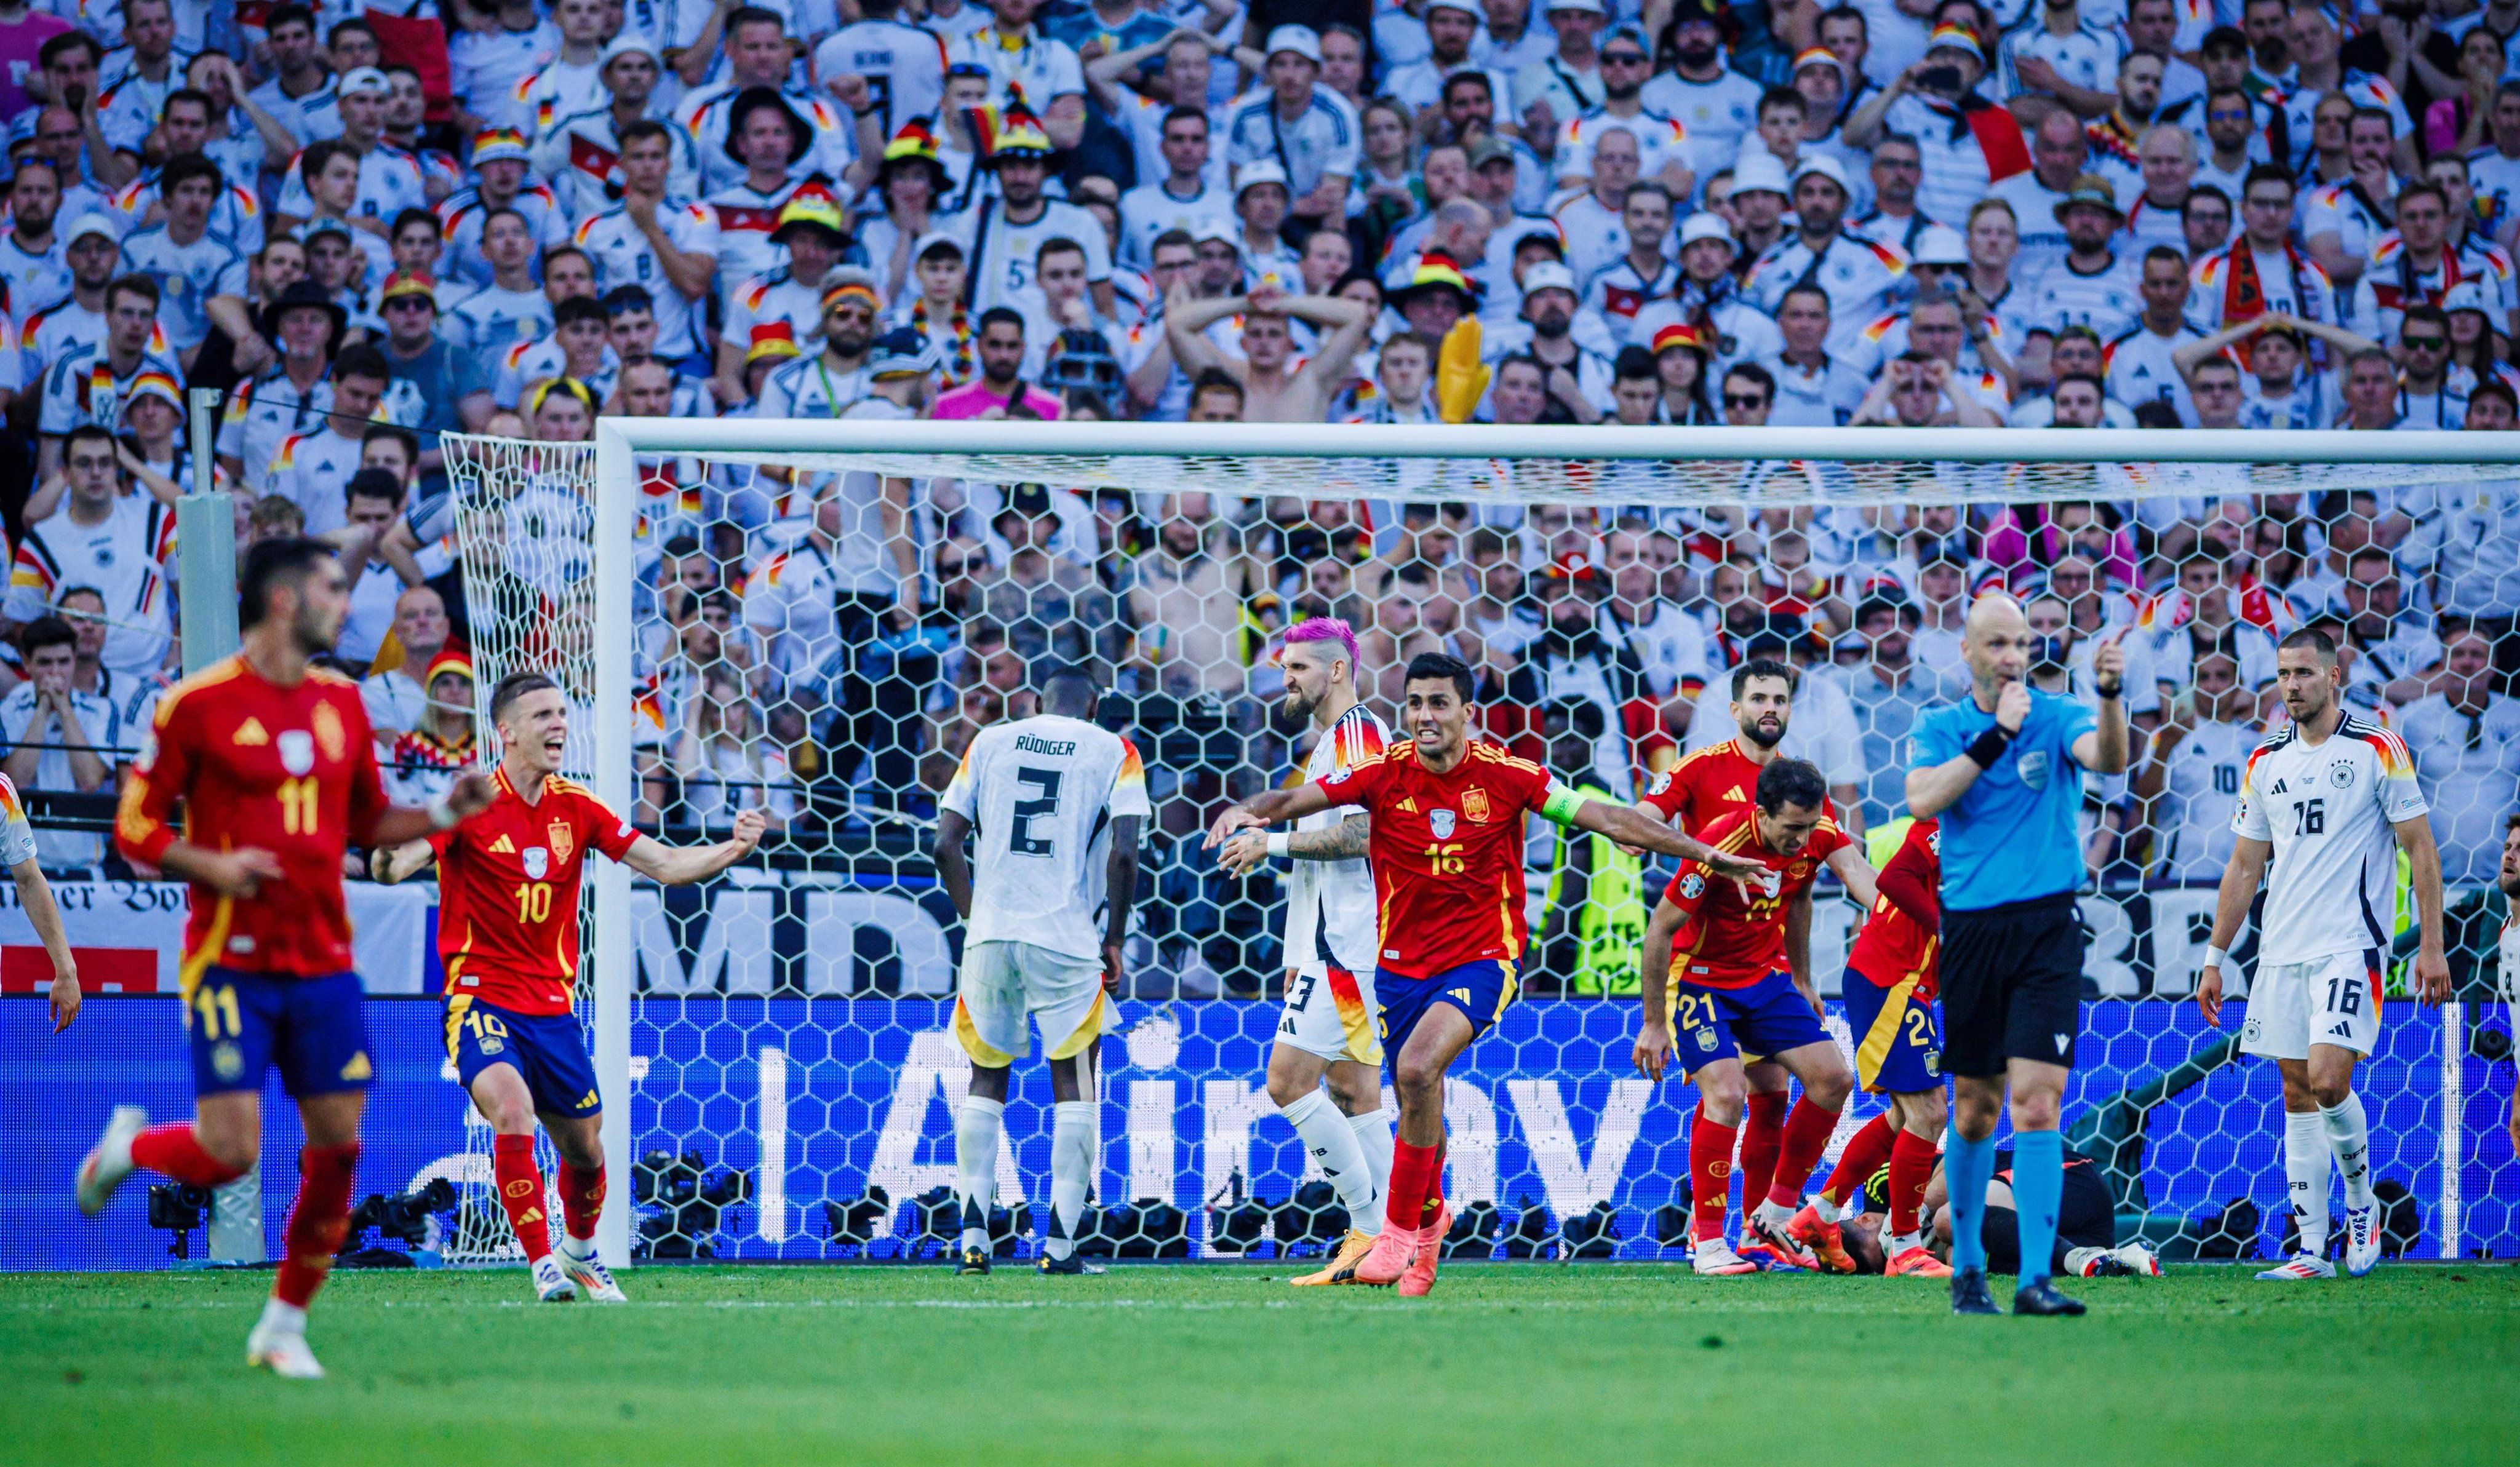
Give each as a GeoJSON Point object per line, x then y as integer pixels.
{"type": "Point", "coordinates": [819, 631]}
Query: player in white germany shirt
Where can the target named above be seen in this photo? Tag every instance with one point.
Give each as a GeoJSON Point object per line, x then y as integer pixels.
{"type": "Point", "coordinates": [122, 544]}
{"type": "Point", "coordinates": [2329, 800]}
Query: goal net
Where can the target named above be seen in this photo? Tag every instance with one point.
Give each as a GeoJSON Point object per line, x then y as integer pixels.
{"type": "Point", "coordinates": [814, 618]}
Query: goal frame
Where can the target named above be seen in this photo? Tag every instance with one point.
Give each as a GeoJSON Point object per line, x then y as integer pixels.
{"type": "Point", "coordinates": [619, 443]}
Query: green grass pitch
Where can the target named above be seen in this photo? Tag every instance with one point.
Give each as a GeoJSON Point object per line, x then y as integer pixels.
{"type": "Point", "coordinates": [1519, 1363]}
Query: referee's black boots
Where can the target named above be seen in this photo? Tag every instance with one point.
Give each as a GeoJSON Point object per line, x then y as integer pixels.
{"type": "Point", "coordinates": [1969, 1295]}
{"type": "Point", "coordinates": [2044, 1298]}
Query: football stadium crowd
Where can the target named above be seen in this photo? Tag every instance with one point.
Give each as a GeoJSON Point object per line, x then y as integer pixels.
{"type": "Point", "coordinates": [368, 224]}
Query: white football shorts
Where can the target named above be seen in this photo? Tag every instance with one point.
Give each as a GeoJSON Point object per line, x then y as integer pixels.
{"type": "Point", "coordinates": [2327, 1000]}
{"type": "Point", "coordinates": [1330, 1014]}
{"type": "Point", "coordinates": [1005, 981]}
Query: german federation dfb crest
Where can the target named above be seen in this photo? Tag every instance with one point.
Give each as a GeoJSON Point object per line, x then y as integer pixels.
{"type": "Point", "coordinates": [1441, 823]}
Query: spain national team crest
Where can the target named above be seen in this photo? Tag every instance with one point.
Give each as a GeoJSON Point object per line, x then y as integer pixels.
{"type": "Point", "coordinates": [1441, 823]}
{"type": "Point", "coordinates": [297, 751]}
{"type": "Point", "coordinates": [330, 735]}
{"type": "Point", "coordinates": [1474, 805]}
{"type": "Point", "coordinates": [537, 862]}
{"type": "Point", "coordinates": [562, 841]}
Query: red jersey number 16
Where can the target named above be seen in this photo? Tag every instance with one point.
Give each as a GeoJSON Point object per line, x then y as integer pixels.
{"type": "Point", "coordinates": [1445, 859]}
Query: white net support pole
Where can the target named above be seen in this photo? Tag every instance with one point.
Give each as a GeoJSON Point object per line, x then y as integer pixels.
{"type": "Point", "coordinates": [616, 510]}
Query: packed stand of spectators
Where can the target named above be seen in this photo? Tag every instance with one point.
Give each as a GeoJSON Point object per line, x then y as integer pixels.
{"type": "Point", "coordinates": [368, 224]}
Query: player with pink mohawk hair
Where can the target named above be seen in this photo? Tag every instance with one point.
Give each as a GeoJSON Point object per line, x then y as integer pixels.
{"type": "Point", "coordinates": [1331, 940]}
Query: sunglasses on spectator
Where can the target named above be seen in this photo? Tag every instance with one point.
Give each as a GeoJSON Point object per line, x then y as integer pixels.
{"type": "Point", "coordinates": [410, 303]}
{"type": "Point", "coordinates": [1623, 58]}
{"type": "Point", "coordinates": [2424, 343]}
{"type": "Point", "coordinates": [1744, 400]}
{"type": "Point", "coordinates": [2228, 115]}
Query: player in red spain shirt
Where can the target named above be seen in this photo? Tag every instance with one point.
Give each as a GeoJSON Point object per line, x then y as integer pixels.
{"type": "Point", "coordinates": [1890, 988]}
{"type": "Point", "coordinates": [1705, 786]}
{"type": "Point", "coordinates": [507, 935]}
{"type": "Point", "coordinates": [1446, 843]}
{"type": "Point", "coordinates": [1729, 966]}
{"type": "Point", "coordinates": [274, 765]}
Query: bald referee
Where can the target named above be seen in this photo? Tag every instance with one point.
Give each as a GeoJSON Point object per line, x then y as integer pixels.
{"type": "Point", "coordinates": [2004, 769]}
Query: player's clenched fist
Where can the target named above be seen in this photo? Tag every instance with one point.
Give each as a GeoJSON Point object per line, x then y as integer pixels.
{"type": "Point", "coordinates": [749, 825]}
{"type": "Point", "coordinates": [470, 793]}
{"type": "Point", "coordinates": [2012, 706]}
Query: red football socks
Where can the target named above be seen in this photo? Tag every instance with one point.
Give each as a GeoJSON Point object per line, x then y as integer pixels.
{"type": "Point", "coordinates": [1807, 1134]}
{"type": "Point", "coordinates": [317, 1224]}
{"type": "Point", "coordinates": [1710, 1172]}
{"type": "Point", "coordinates": [1762, 1136]}
{"type": "Point", "coordinates": [1865, 1152]}
{"type": "Point", "coordinates": [1912, 1166]}
{"type": "Point", "coordinates": [1417, 1179]}
{"type": "Point", "coordinates": [173, 1150]}
{"type": "Point", "coordinates": [581, 1198]}
{"type": "Point", "coordinates": [521, 1192]}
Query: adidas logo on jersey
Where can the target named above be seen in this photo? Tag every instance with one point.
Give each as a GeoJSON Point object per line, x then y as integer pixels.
{"type": "Point", "coordinates": [1735, 796]}
{"type": "Point", "coordinates": [2341, 1031]}
{"type": "Point", "coordinates": [503, 847]}
{"type": "Point", "coordinates": [2279, 789]}
{"type": "Point", "coordinates": [249, 735]}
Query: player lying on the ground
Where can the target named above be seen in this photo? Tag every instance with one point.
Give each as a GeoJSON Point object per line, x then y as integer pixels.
{"type": "Point", "coordinates": [1889, 994]}
{"type": "Point", "coordinates": [2086, 1245]}
{"type": "Point", "coordinates": [273, 764]}
{"type": "Point", "coordinates": [1729, 967]}
{"type": "Point", "coordinates": [1058, 802]}
{"type": "Point", "coordinates": [2329, 799]}
{"type": "Point", "coordinates": [506, 937]}
{"type": "Point", "coordinates": [1448, 815]}
{"type": "Point", "coordinates": [1330, 939]}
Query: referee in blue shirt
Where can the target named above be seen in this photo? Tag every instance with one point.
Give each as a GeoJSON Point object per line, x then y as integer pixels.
{"type": "Point", "coordinates": [2004, 769]}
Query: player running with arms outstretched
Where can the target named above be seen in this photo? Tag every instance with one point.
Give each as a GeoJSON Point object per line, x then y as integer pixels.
{"type": "Point", "coordinates": [1330, 944]}
{"type": "Point", "coordinates": [272, 761]}
{"type": "Point", "coordinates": [2002, 771]}
{"type": "Point", "coordinates": [1730, 966]}
{"type": "Point", "coordinates": [508, 939]}
{"type": "Point", "coordinates": [1057, 803]}
{"type": "Point", "coordinates": [1447, 816]}
{"type": "Point", "coordinates": [1890, 987]}
{"type": "Point", "coordinates": [2322, 799]}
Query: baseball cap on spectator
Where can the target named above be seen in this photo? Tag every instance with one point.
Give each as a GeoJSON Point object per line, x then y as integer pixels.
{"type": "Point", "coordinates": [800, 136]}
{"type": "Point", "coordinates": [364, 81]}
{"type": "Point", "coordinates": [90, 224]}
{"type": "Point", "coordinates": [1679, 336]}
{"type": "Point", "coordinates": [810, 207]}
{"type": "Point", "coordinates": [1574, 565]}
{"type": "Point", "coordinates": [1815, 162]}
{"type": "Point", "coordinates": [1028, 500]}
{"type": "Point", "coordinates": [307, 231]}
{"type": "Point", "coordinates": [1939, 245]}
{"type": "Point", "coordinates": [1490, 149]}
{"type": "Point", "coordinates": [2091, 189]}
{"type": "Point", "coordinates": [2467, 296]}
{"type": "Point", "coordinates": [903, 351]}
{"type": "Point", "coordinates": [772, 339]}
{"type": "Point", "coordinates": [913, 147]}
{"type": "Point", "coordinates": [397, 285]}
{"type": "Point", "coordinates": [452, 660]}
{"type": "Point", "coordinates": [1707, 225]}
{"type": "Point", "coordinates": [1431, 270]}
{"type": "Point", "coordinates": [627, 43]}
{"type": "Point", "coordinates": [1820, 56]}
{"type": "Point", "coordinates": [492, 143]}
{"type": "Point", "coordinates": [1548, 275]}
{"type": "Point", "coordinates": [307, 296]}
{"type": "Point", "coordinates": [1465, 7]}
{"type": "Point", "coordinates": [1302, 40]}
{"type": "Point", "coordinates": [1252, 175]}
{"type": "Point", "coordinates": [1217, 230]}
{"type": "Point", "coordinates": [1716, 11]}
{"type": "Point", "coordinates": [1760, 173]}
{"type": "Point", "coordinates": [934, 242]}
{"type": "Point", "coordinates": [1585, 6]}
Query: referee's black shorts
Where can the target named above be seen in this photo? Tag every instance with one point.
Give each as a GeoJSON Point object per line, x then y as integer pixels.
{"type": "Point", "coordinates": [2011, 985]}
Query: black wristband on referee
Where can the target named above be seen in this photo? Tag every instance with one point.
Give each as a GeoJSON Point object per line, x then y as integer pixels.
{"type": "Point", "coordinates": [1990, 745]}
{"type": "Point", "coordinates": [2109, 690]}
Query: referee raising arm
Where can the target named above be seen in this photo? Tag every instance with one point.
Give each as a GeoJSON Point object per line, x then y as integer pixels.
{"type": "Point", "coordinates": [2003, 772]}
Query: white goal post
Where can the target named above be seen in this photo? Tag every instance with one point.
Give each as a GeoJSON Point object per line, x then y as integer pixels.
{"type": "Point", "coordinates": [1604, 466]}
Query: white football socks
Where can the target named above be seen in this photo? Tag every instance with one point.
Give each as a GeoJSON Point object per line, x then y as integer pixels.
{"type": "Point", "coordinates": [975, 1164]}
{"type": "Point", "coordinates": [1373, 1137]}
{"type": "Point", "coordinates": [1071, 1169]}
{"type": "Point", "coordinates": [2306, 1164]}
{"type": "Point", "coordinates": [283, 1319]}
{"type": "Point", "coordinates": [1334, 1146]}
{"type": "Point", "coordinates": [2349, 1137]}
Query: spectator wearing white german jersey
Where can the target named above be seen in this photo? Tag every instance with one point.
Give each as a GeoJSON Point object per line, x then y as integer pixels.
{"type": "Point", "coordinates": [1057, 803]}
{"type": "Point", "coordinates": [1333, 935]}
{"type": "Point", "coordinates": [2329, 800]}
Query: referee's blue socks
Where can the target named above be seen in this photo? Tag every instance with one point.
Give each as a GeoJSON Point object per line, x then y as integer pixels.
{"type": "Point", "coordinates": [2037, 1184]}
{"type": "Point", "coordinates": [1966, 1167]}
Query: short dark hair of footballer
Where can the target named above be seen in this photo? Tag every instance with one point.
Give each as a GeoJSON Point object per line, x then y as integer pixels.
{"type": "Point", "coordinates": [1761, 667]}
{"type": "Point", "coordinates": [269, 564]}
{"type": "Point", "coordinates": [513, 687]}
{"type": "Point", "coordinates": [2313, 638]}
{"type": "Point", "coordinates": [1792, 782]}
{"type": "Point", "coordinates": [1440, 666]}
